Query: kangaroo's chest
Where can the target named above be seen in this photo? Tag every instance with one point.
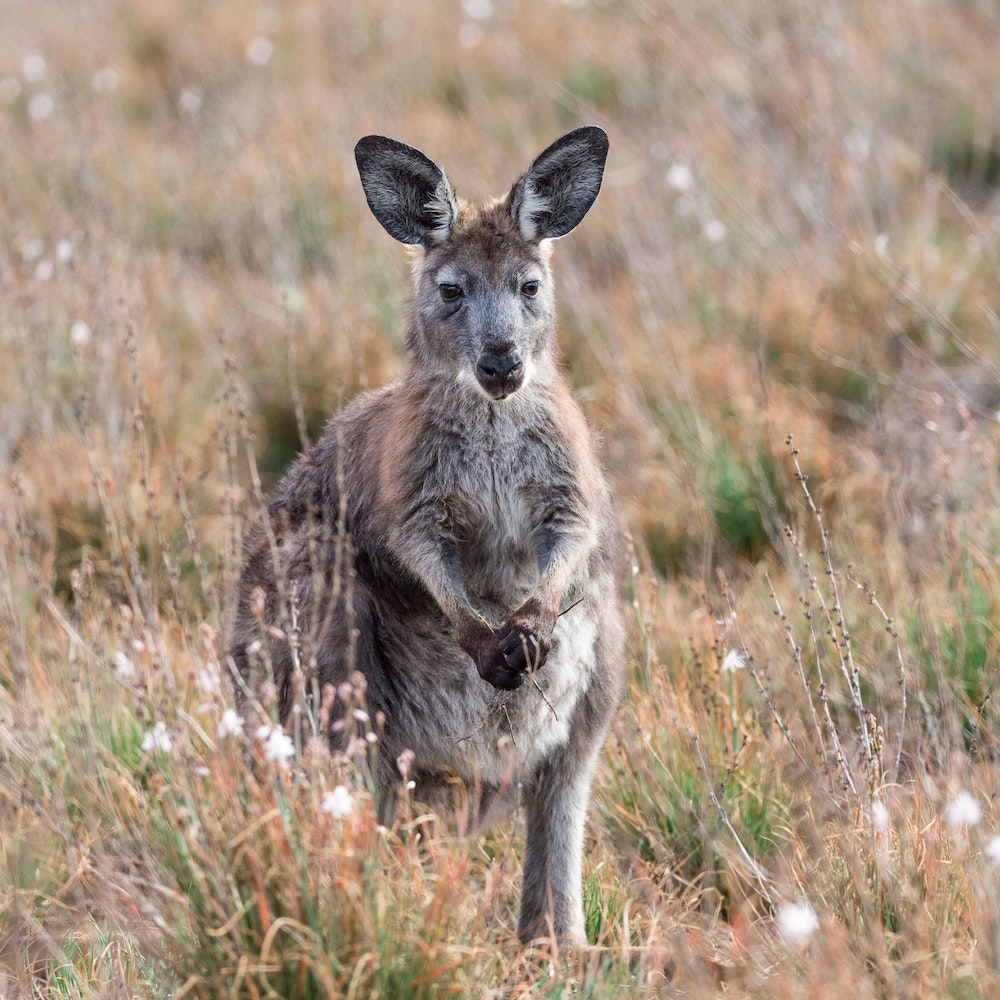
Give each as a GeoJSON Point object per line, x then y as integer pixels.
{"type": "Point", "coordinates": [494, 517]}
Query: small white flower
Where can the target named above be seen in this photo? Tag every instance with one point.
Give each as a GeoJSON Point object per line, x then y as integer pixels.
{"type": "Point", "coordinates": [41, 107]}
{"type": "Point", "coordinates": [64, 251]}
{"type": "Point", "coordinates": [714, 230]}
{"type": "Point", "coordinates": [260, 50]}
{"type": "Point", "coordinates": [964, 811]}
{"type": "Point", "coordinates": [105, 80]}
{"type": "Point", "coordinates": [32, 250]}
{"type": "Point", "coordinates": [79, 334]}
{"type": "Point", "coordinates": [992, 850]}
{"type": "Point", "coordinates": [882, 246]}
{"type": "Point", "coordinates": [339, 803]}
{"type": "Point", "coordinates": [680, 178]}
{"type": "Point", "coordinates": [124, 667]}
{"type": "Point", "coordinates": [279, 747]}
{"type": "Point", "coordinates": [880, 815]}
{"type": "Point", "coordinates": [43, 272]}
{"type": "Point", "coordinates": [158, 738]}
{"type": "Point", "coordinates": [33, 67]}
{"type": "Point", "coordinates": [732, 662]}
{"type": "Point", "coordinates": [190, 100]}
{"type": "Point", "coordinates": [478, 10]}
{"type": "Point", "coordinates": [230, 724]}
{"type": "Point", "coordinates": [858, 145]}
{"type": "Point", "coordinates": [797, 922]}
{"type": "Point", "coordinates": [208, 679]}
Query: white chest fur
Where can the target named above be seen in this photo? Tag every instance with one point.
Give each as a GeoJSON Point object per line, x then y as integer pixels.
{"type": "Point", "coordinates": [523, 727]}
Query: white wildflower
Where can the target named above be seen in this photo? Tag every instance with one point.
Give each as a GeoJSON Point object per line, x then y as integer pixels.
{"type": "Point", "coordinates": [714, 230]}
{"type": "Point", "coordinates": [339, 803]}
{"type": "Point", "coordinates": [279, 747]}
{"type": "Point", "coordinates": [124, 667]}
{"type": "Point", "coordinates": [32, 249]}
{"type": "Point", "coordinates": [880, 815]}
{"type": "Point", "coordinates": [797, 922]}
{"type": "Point", "coordinates": [158, 738]}
{"type": "Point", "coordinates": [230, 724]}
{"type": "Point", "coordinates": [992, 850]}
{"type": "Point", "coordinates": [680, 178]}
{"type": "Point", "coordinates": [105, 80]}
{"type": "Point", "coordinates": [79, 333]}
{"type": "Point", "coordinates": [64, 251]}
{"type": "Point", "coordinates": [41, 107]}
{"type": "Point", "coordinates": [208, 679]}
{"type": "Point", "coordinates": [478, 10]}
{"type": "Point", "coordinates": [260, 50]}
{"type": "Point", "coordinates": [190, 100]}
{"type": "Point", "coordinates": [964, 811]}
{"type": "Point", "coordinates": [34, 67]}
{"type": "Point", "coordinates": [858, 145]}
{"type": "Point", "coordinates": [732, 662]}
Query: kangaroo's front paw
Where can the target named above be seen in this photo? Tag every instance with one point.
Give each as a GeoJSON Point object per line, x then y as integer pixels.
{"type": "Point", "coordinates": [523, 644]}
{"type": "Point", "coordinates": [497, 668]}
{"type": "Point", "coordinates": [500, 673]}
{"type": "Point", "coordinates": [481, 643]}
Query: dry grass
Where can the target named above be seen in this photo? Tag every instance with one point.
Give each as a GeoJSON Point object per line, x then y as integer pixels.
{"type": "Point", "coordinates": [799, 235]}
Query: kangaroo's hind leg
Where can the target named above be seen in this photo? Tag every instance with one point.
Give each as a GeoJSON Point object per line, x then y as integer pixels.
{"type": "Point", "coordinates": [556, 804]}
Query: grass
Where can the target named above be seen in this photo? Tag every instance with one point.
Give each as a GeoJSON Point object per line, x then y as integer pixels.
{"type": "Point", "coordinates": [782, 316]}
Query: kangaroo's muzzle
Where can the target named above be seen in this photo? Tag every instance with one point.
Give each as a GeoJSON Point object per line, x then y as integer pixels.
{"type": "Point", "coordinates": [500, 372]}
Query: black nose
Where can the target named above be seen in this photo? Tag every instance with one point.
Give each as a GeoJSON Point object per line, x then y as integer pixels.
{"type": "Point", "coordinates": [499, 372]}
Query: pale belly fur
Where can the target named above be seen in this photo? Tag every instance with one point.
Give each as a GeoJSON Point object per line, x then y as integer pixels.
{"type": "Point", "coordinates": [506, 734]}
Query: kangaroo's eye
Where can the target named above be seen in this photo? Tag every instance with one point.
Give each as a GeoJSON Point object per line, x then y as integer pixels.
{"type": "Point", "coordinates": [530, 288]}
{"type": "Point", "coordinates": [450, 293]}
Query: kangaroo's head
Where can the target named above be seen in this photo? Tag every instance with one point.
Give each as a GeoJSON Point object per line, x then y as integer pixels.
{"type": "Point", "coordinates": [483, 310]}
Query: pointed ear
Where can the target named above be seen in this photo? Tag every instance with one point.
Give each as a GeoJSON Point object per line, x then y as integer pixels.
{"type": "Point", "coordinates": [407, 192]}
{"type": "Point", "coordinates": [561, 185]}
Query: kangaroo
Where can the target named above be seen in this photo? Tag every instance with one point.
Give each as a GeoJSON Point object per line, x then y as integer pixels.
{"type": "Point", "coordinates": [451, 536]}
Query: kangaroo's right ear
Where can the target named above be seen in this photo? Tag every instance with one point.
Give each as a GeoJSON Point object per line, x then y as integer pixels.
{"type": "Point", "coordinates": [406, 191]}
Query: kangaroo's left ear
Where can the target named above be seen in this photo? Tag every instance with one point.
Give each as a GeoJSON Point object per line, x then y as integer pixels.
{"type": "Point", "coordinates": [561, 185]}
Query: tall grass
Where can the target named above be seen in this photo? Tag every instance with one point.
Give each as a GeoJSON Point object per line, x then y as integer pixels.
{"type": "Point", "coordinates": [782, 315]}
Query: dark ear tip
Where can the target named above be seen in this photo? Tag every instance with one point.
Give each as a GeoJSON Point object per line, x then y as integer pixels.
{"type": "Point", "coordinates": [368, 145]}
{"type": "Point", "coordinates": [595, 132]}
{"type": "Point", "coordinates": [594, 136]}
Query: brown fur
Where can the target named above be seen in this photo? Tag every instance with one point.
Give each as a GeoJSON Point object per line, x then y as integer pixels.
{"type": "Point", "coordinates": [451, 535]}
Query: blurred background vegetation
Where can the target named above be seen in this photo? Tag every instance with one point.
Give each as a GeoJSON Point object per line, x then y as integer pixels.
{"type": "Point", "coordinates": [798, 235]}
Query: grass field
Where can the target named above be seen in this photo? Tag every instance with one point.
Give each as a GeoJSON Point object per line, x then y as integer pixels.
{"type": "Point", "coordinates": [783, 314]}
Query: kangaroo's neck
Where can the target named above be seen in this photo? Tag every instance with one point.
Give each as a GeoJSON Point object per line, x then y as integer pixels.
{"type": "Point", "coordinates": [455, 404]}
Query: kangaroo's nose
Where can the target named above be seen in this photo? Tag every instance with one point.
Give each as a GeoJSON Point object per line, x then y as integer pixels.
{"type": "Point", "coordinates": [499, 371]}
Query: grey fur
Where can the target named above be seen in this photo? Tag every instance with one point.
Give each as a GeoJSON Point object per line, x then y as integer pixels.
{"type": "Point", "coordinates": [451, 537]}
